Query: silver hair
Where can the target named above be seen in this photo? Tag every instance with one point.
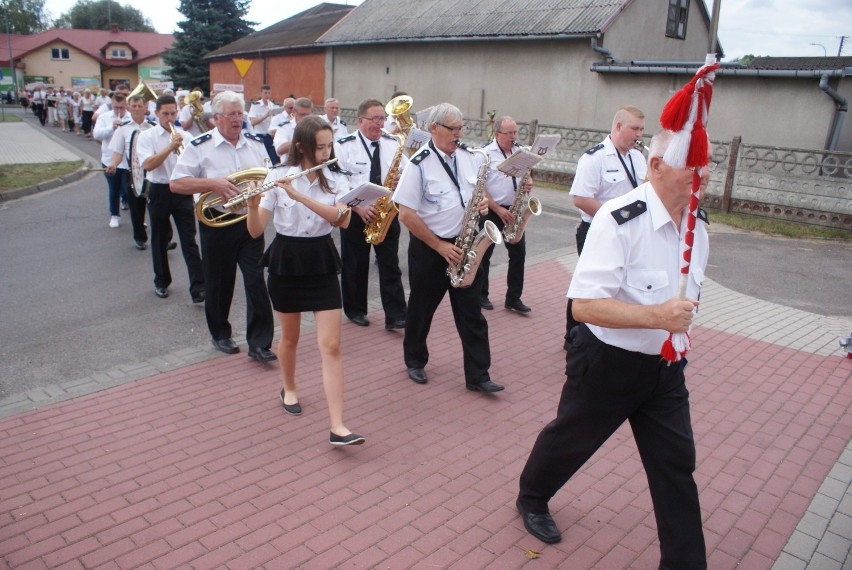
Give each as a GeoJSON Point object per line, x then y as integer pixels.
{"type": "Point", "coordinates": [498, 124]}
{"type": "Point", "coordinates": [659, 144]}
{"type": "Point", "coordinates": [331, 100]}
{"type": "Point", "coordinates": [225, 98]}
{"type": "Point", "coordinates": [444, 113]}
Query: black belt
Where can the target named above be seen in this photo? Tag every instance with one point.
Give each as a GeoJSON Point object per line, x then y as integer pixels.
{"type": "Point", "coordinates": [157, 184]}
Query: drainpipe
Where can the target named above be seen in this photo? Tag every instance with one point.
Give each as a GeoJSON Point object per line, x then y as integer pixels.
{"type": "Point", "coordinates": [604, 51]}
{"type": "Point", "coordinates": [839, 113]}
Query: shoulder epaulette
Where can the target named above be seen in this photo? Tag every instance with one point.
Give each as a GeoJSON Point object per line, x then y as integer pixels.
{"type": "Point", "coordinates": [284, 122]}
{"type": "Point", "coordinates": [418, 158]}
{"type": "Point", "coordinates": [340, 170]}
{"type": "Point", "coordinates": [253, 137]}
{"type": "Point", "coordinates": [201, 138]}
{"type": "Point", "coordinates": [152, 122]}
{"type": "Point", "coordinates": [389, 136]}
{"type": "Point", "coordinates": [629, 212]}
{"type": "Point", "coordinates": [342, 122]}
{"type": "Point", "coordinates": [346, 139]}
{"type": "Point", "coordinates": [702, 215]}
{"type": "Point", "coordinates": [595, 148]}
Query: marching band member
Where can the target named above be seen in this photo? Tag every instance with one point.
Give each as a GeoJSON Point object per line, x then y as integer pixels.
{"type": "Point", "coordinates": [289, 106]}
{"type": "Point", "coordinates": [120, 147]}
{"type": "Point", "coordinates": [204, 166]}
{"type": "Point", "coordinates": [501, 193]}
{"type": "Point", "coordinates": [368, 154]}
{"type": "Point", "coordinates": [303, 263]}
{"type": "Point", "coordinates": [332, 117]}
{"type": "Point", "coordinates": [260, 116]}
{"type": "Point", "coordinates": [158, 148]}
{"type": "Point", "coordinates": [105, 126]}
{"type": "Point", "coordinates": [432, 195]}
{"type": "Point", "coordinates": [303, 108]}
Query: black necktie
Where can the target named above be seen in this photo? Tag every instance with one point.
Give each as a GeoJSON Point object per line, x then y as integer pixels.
{"type": "Point", "coordinates": [375, 165]}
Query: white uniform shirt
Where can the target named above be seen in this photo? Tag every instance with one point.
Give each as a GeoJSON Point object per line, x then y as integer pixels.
{"type": "Point", "coordinates": [152, 142]}
{"type": "Point", "coordinates": [351, 153]}
{"type": "Point", "coordinates": [277, 121]}
{"type": "Point", "coordinates": [291, 218]}
{"type": "Point", "coordinates": [120, 141]}
{"type": "Point", "coordinates": [338, 127]}
{"type": "Point", "coordinates": [103, 132]}
{"type": "Point", "coordinates": [600, 174]}
{"type": "Point", "coordinates": [259, 109]}
{"type": "Point", "coordinates": [184, 116]}
{"type": "Point", "coordinates": [211, 156]}
{"type": "Point", "coordinates": [425, 187]}
{"type": "Point", "coordinates": [637, 262]}
{"type": "Point", "coordinates": [499, 185]}
{"type": "Point", "coordinates": [284, 134]}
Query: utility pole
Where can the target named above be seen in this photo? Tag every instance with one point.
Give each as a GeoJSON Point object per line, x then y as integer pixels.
{"type": "Point", "coordinates": [714, 26]}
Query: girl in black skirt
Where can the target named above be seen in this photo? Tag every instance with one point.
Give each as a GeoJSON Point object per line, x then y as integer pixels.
{"type": "Point", "coordinates": [303, 263]}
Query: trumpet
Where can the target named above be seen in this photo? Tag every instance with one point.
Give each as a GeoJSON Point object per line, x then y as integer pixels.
{"type": "Point", "coordinates": [640, 144]}
{"type": "Point", "coordinates": [209, 207]}
{"type": "Point", "coordinates": [178, 150]}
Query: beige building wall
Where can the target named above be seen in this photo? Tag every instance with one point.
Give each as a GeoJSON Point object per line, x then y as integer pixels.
{"type": "Point", "coordinates": [79, 64]}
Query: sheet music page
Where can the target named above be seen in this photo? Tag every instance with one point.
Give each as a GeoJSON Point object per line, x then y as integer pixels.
{"type": "Point", "coordinates": [416, 139]}
{"type": "Point", "coordinates": [545, 143]}
{"type": "Point", "coordinates": [364, 195]}
{"type": "Point", "coordinates": [519, 163]}
{"type": "Point", "coordinates": [422, 118]}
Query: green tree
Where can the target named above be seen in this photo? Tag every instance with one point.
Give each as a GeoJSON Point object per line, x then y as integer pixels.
{"type": "Point", "coordinates": [25, 16]}
{"type": "Point", "coordinates": [102, 15]}
{"type": "Point", "coordinates": [209, 25]}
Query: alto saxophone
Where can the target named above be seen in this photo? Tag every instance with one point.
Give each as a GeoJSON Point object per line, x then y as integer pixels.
{"type": "Point", "coordinates": [471, 241]}
{"type": "Point", "coordinates": [376, 231]}
{"type": "Point", "coordinates": [523, 206]}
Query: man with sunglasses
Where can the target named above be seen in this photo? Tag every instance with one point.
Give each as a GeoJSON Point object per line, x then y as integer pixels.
{"type": "Point", "coordinates": [203, 166]}
{"type": "Point", "coordinates": [432, 195]}
{"type": "Point", "coordinates": [367, 154]}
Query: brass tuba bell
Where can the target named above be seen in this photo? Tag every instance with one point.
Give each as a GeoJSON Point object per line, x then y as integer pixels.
{"type": "Point", "coordinates": [398, 108]}
{"type": "Point", "coordinates": [142, 90]}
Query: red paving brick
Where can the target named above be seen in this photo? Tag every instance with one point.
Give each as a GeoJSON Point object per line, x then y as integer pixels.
{"type": "Point", "coordinates": [199, 466]}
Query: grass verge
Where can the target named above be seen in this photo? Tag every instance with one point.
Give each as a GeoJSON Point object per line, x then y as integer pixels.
{"type": "Point", "coordinates": [778, 227]}
{"type": "Point", "coordinates": [10, 118]}
{"type": "Point", "coordinates": [21, 175]}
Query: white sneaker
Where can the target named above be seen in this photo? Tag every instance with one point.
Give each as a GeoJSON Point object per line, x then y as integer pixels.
{"type": "Point", "coordinates": [114, 221]}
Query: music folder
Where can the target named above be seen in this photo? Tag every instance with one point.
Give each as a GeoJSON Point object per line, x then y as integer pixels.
{"type": "Point", "coordinates": [364, 195]}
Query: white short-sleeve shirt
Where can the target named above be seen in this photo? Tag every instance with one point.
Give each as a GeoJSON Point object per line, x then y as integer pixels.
{"type": "Point", "coordinates": [152, 142]}
{"type": "Point", "coordinates": [211, 156]}
{"type": "Point", "coordinates": [353, 155]}
{"type": "Point", "coordinates": [291, 218]}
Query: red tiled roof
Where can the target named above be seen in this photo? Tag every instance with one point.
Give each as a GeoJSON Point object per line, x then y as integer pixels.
{"type": "Point", "coordinates": [142, 44]}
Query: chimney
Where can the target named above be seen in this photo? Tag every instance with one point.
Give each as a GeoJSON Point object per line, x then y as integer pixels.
{"type": "Point", "coordinates": [115, 28]}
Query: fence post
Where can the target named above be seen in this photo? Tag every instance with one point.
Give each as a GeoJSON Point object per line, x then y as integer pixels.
{"type": "Point", "coordinates": [729, 176]}
{"type": "Point", "coordinates": [533, 129]}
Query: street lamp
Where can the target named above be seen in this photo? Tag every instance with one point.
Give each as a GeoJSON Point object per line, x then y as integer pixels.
{"type": "Point", "coordinates": [824, 53]}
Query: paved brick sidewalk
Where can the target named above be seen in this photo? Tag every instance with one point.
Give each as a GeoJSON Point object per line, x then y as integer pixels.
{"type": "Point", "coordinates": [199, 466]}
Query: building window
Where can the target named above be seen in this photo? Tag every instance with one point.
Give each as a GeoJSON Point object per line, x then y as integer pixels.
{"type": "Point", "coordinates": [118, 54]}
{"type": "Point", "coordinates": [59, 53]}
{"type": "Point", "coordinates": [676, 21]}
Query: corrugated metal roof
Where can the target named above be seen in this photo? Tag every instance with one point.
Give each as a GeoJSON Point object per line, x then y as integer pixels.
{"type": "Point", "coordinates": [392, 20]}
{"type": "Point", "coordinates": [296, 32]}
{"type": "Point", "coordinates": [800, 63]}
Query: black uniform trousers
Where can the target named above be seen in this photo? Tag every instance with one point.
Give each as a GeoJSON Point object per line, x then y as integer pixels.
{"type": "Point", "coordinates": [427, 276]}
{"type": "Point", "coordinates": [582, 230]}
{"type": "Point", "coordinates": [517, 255]}
{"type": "Point", "coordinates": [606, 386]}
{"type": "Point", "coordinates": [355, 254]}
{"type": "Point", "coordinates": [136, 205]}
{"type": "Point", "coordinates": [222, 249]}
{"type": "Point", "coordinates": [162, 205]}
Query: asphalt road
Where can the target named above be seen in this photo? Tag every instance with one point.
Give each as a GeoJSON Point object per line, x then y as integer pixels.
{"type": "Point", "coordinates": [77, 298]}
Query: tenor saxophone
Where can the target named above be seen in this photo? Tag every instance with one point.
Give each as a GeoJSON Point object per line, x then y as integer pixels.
{"type": "Point", "coordinates": [473, 242]}
{"type": "Point", "coordinates": [523, 207]}
{"type": "Point", "coordinates": [376, 231]}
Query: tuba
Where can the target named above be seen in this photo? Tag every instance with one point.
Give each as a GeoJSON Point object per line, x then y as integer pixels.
{"type": "Point", "coordinates": [472, 242]}
{"type": "Point", "coordinates": [523, 207]}
{"type": "Point", "coordinates": [197, 111]}
{"type": "Point", "coordinates": [375, 231]}
{"type": "Point", "coordinates": [205, 207]}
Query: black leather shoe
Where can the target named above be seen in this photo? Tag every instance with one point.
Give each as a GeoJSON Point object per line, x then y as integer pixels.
{"type": "Point", "coordinates": [172, 245]}
{"type": "Point", "coordinates": [261, 354]}
{"type": "Point", "coordinates": [397, 324]}
{"type": "Point", "coordinates": [517, 305]}
{"type": "Point", "coordinates": [488, 387]}
{"type": "Point", "coordinates": [292, 409]}
{"type": "Point", "coordinates": [485, 303]}
{"type": "Point", "coordinates": [540, 526]}
{"type": "Point", "coordinates": [351, 439]}
{"type": "Point", "coordinates": [161, 292]}
{"type": "Point", "coordinates": [199, 297]}
{"type": "Point", "coordinates": [418, 375]}
{"type": "Point", "coordinates": [140, 245]}
{"type": "Point", "coordinates": [360, 320]}
{"type": "Point", "coordinates": [226, 345]}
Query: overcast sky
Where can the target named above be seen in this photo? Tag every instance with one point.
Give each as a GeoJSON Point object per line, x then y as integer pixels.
{"type": "Point", "coordinates": [760, 27]}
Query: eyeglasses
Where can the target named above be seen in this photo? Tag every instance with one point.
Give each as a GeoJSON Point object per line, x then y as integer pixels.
{"type": "Point", "coordinates": [377, 119]}
{"type": "Point", "coordinates": [508, 133]}
{"type": "Point", "coordinates": [710, 166]}
{"type": "Point", "coordinates": [233, 116]}
{"type": "Point", "coordinates": [452, 129]}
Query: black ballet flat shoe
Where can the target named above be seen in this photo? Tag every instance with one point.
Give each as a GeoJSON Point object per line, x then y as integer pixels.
{"type": "Point", "coordinates": [292, 409]}
{"type": "Point", "coordinates": [340, 440]}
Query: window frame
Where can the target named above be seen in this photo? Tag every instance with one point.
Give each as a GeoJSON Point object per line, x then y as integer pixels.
{"type": "Point", "coordinates": [677, 16]}
{"type": "Point", "coordinates": [60, 54]}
